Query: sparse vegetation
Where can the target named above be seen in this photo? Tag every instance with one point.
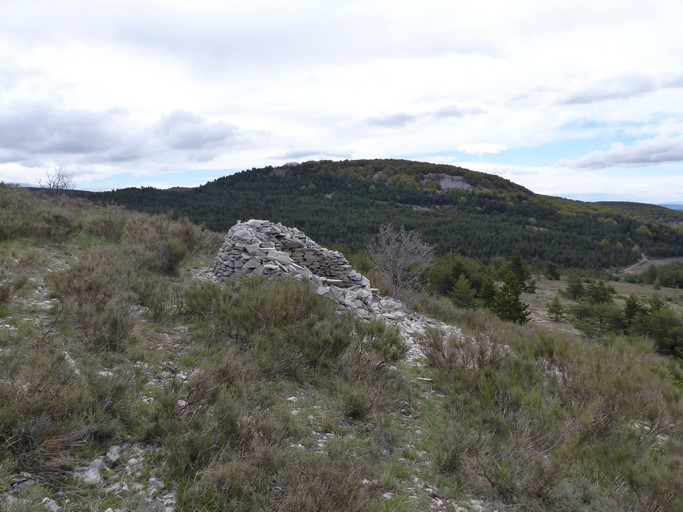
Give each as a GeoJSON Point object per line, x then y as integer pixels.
{"type": "Point", "coordinates": [544, 422]}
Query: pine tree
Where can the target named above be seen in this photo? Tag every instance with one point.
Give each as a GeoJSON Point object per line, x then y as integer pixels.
{"type": "Point", "coordinates": [598, 292]}
{"type": "Point", "coordinates": [574, 289]}
{"type": "Point", "coordinates": [551, 272]}
{"type": "Point", "coordinates": [518, 268]}
{"type": "Point", "coordinates": [507, 305]}
{"type": "Point", "coordinates": [462, 294]}
{"type": "Point", "coordinates": [487, 293]}
{"type": "Point", "coordinates": [555, 309]}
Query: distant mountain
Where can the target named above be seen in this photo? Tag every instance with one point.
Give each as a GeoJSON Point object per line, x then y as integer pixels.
{"type": "Point", "coordinates": [459, 210]}
{"type": "Point", "coordinates": [673, 206]}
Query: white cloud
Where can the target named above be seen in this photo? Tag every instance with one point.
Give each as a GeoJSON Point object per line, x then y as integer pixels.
{"type": "Point", "coordinates": [153, 86]}
{"type": "Point", "coordinates": [476, 148]}
{"type": "Point", "coordinates": [661, 150]}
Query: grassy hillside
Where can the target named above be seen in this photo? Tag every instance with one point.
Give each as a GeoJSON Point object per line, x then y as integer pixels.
{"type": "Point", "coordinates": [475, 214]}
{"type": "Point", "coordinates": [256, 395]}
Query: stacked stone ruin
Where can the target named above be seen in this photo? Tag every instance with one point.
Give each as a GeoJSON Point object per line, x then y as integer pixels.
{"type": "Point", "coordinates": [265, 248]}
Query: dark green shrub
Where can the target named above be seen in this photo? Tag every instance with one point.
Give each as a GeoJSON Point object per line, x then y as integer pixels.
{"type": "Point", "coordinates": [507, 304]}
{"type": "Point", "coordinates": [357, 405]}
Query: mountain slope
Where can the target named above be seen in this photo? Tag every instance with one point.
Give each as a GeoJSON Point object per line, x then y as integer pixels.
{"type": "Point", "coordinates": [459, 210]}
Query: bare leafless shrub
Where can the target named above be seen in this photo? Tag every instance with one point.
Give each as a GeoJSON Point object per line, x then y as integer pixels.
{"type": "Point", "coordinates": [57, 181]}
{"type": "Point", "coordinates": [402, 257]}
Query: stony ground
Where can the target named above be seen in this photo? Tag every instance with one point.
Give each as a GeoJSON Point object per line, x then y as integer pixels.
{"type": "Point", "coordinates": [127, 476]}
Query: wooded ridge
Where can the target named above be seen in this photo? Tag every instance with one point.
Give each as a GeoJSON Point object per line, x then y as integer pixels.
{"type": "Point", "coordinates": [472, 213]}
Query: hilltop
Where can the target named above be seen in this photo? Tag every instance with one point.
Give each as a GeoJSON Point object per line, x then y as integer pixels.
{"type": "Point", "coordinates": [472, 213]}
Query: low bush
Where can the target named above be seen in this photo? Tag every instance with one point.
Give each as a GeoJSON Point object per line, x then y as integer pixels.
{"type": "Point", "coordinates": [159, 244]}
{"type": "Point", "coordinates": [98, 298]}
{"type": "Point", "coordinates": [548, 422]}
{"type": "Point", "coordinates": [287, 328]}
{"type": "Point", "coordinates": [52, 404]}
{"type": "Point", "coordinates": [229, 435]}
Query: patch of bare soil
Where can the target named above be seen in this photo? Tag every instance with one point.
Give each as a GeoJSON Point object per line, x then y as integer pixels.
{"type": "Point", "coordinates": [645, 263]}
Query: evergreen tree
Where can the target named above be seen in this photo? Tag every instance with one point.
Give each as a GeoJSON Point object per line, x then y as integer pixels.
{"type": "Point", "coordinates": [518, 268]}
{"type": "Point", "coordinates": [462, 294]}
{"type": "Point", "coordinates": [487, 293]}
{"type": "Point", "coordinates": [507, 305]}
{"type": "Point", "coordinates": [598, 292]}
{"type": "Point", "coordinates": [574, 289]}
{"type": "Point", "coordinates": [556, 309]}
{"type": "Point", "coordinates": [632, 308]}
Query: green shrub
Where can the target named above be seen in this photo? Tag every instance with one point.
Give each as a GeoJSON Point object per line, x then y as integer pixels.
{"type": "Point", "coordinates": [52, 404]}
{"type": "Point", "coordinates": [158, 244]}
{"type": "Point", "coordinates": [268, 477]}
{"type": "Point", "coordinates": [97, 296]}
{"type": "Point", "coordinates": [227, 430]}
{"type": "Point", "coordinates": [107, 325]}
{"type": "Point", "coordinates": [58, 224]}
{"type": "Point", "coordinates": [357, 405]}
{"type": "Point", "coordinates": [156, 293]}
{"type": "Point", "coordinates": [558, 424]}
{"type": "Point", "coordinates": [108, 224]}
{"type": "Point", "coordinates": [287, 328]}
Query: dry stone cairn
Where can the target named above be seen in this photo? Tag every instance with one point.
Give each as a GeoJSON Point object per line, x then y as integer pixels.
{"type": "Point", "coordinates": [265, 248]}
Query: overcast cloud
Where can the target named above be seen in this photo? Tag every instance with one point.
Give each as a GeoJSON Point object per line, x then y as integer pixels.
{"type": "Point", "coordinates": [569, 98]}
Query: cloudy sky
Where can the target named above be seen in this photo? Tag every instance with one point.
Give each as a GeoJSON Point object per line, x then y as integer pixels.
{"type": "Point", "coordinates": [580, 99]}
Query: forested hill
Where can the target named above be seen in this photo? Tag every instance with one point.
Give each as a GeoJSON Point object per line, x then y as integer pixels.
{"type": "Point", "coordinates": [472, 213]}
